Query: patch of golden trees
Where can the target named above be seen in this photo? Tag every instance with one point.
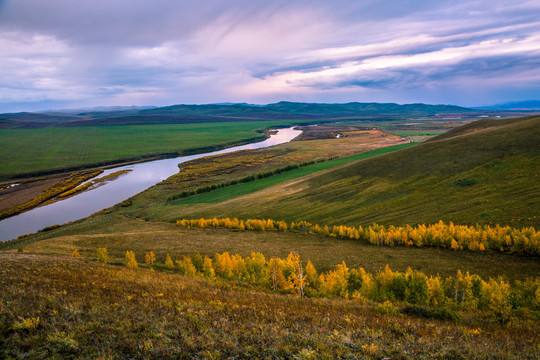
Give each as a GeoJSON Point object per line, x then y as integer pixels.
{"type": "Point", "coordinates": [457, 237]}
{"type": "Point", "coordinates": [292, 275]}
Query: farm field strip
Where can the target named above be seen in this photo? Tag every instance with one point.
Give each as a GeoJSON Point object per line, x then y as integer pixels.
{"type": "Point", "coordinates": [250, 187]}
{"type": "Point", "coordinates": [54, 148]}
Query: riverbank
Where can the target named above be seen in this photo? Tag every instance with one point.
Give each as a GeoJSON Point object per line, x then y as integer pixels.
{"type": "Point", "coordinates": [143, 176]}
{"type": "Point", "coordinates": [130, 160]}
{"type": "Point", "coordinates": [22, 191]}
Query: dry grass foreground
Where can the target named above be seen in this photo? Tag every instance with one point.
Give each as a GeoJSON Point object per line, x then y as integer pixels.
{"type": "Point", "coordinates": [67, 308]}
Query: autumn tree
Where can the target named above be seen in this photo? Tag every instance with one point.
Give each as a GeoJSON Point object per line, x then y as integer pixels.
{"type": "Point", "coordinates": [496, 294]}
{"type": "Point", "coordinates": [223, 265]}
{"type": "Point", "coordinates": [149, 258]}
{"type": "Point", "coordinates": [131, 262]}
{"type": "Point", "coordinates": [102, 255]}
{"type": "Point", "coordinates": [75, 254]}
{"type": "Point", "coordinates": [197, 259]}
{"type": "Point", "coordinates": [417, 287]}
{"type": "Point", "coordinates": [297, 280]}
{"type": "Point", "coordinates": [335, 282]}
{"type": "Point", "coordinates": [256, 267]}
{"type": "Point", "coordinates": [186, 267]}
{"type": "Point", "coordinates": [311, 275]}
{"type": "Point", "coordinates": [275, 274]}
{"type": "Point", "coordinates": [169, 262]}
{"type": "Point", "coordinates": [238, 267]}
{"type": "Point", "coordinates": [208, 269]}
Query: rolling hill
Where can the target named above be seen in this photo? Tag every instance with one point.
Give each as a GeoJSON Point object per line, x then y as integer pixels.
{"type": "Point", "coordinates": [484, 172]}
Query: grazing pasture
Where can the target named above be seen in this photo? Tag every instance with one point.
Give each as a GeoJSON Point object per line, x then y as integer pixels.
{"type": "Point", "coordinates": [35, 150]}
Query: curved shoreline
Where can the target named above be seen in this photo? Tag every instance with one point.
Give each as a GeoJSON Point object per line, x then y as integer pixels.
{"type": "Point", "coordinates": [147, 174]}
{"type": "Point", "coordinates": [107, 164]}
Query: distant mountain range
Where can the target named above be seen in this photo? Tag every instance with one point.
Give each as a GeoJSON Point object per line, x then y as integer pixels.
{"type": "Point", "coordinates": [515, 105]}
{"type": "Point", "coordinates": [182, 114]}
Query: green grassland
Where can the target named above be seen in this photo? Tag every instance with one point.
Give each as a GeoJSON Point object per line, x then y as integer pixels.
{"type": "Point", "coordinates": [55, 307]}
{"type": "Point", "coordinates": [491, 175]}
{"type": "Point", "coordinates": [34, 150]}
{"type": "Point", "coordinates": [250, 187]}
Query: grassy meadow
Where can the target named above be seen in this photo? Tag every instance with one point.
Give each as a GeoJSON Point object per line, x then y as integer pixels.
{"type": "Point", "coordinates": [119, 233]}
{"type": "Point", "coordinates": [34, 150]}
{"type": "Point", "coordinates": [104, 311]}
{"type": "Point", "coordinates": [250, 187]}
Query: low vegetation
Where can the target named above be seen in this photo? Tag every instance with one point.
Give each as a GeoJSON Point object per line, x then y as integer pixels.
{"type": "Point", "coordinates": [61, 308]}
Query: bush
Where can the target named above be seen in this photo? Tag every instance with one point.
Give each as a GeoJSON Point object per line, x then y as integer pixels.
{"type": "Point", "coordinates": [387, 308]}
{"type": "Point", "coordinates": [102, 255]}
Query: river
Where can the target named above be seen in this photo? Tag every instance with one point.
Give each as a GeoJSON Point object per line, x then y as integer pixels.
{"type": "Point", "coordinates": [141, 177]}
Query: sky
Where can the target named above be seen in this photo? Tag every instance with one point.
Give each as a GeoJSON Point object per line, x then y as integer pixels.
{"type": "Point", "coordinates": [59, 54]}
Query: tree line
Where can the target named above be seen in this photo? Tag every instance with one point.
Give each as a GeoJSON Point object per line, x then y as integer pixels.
{"type": "Point", "coordinates": [293, 276]}
{"type": "Point", "coordinates": [503, 239]}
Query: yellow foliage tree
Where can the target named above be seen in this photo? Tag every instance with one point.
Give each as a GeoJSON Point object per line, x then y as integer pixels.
{"type": "Point", "coordinates": [149, 258]}
{"type": "Point", "coordinates": [168, 262]}
{"type": "Point", "coordinates": [186, 267]}
{"type": "Point", "coordinates": [275, 274]}
{"type": "Point", "coordinates": [312, 276]}
{"type": "Point", "coordinates": [496, 294]}
{"type": "Point", "coordinates": [131, 262]}
{"type": "Point", "coordinates": [102, 255]}
{"type": "Point", "coordinates": [436, 291]}
{"type": "Point", "coordinates": [297, 280]}
{"type": "Point", "coordinates": [208, 269]}
{"type": "Point", "coordinates": [75, 254]}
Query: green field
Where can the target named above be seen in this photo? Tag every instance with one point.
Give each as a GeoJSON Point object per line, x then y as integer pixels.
{"type": "Point", "coordinates": [34, 150]}
{"type": "Point", "coordinates": [250, 187]}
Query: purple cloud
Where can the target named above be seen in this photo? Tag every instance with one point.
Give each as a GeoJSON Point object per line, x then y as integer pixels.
{"type": "Point", "coordinates": [61, 53]}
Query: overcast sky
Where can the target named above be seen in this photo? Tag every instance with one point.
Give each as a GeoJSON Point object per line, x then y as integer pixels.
{"type": "Point", "coordinates": [80, 53]}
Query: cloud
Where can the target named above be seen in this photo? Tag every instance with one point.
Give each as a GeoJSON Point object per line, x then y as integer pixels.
{"type": "Point", "coordinates": [160, 52]}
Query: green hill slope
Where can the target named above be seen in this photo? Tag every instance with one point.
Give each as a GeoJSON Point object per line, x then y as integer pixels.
{"type": "Point", "coordinates": [485, 172]}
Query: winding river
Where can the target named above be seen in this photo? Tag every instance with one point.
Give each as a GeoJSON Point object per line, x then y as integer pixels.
{"type": "Point", "coordinates": [141, 177]}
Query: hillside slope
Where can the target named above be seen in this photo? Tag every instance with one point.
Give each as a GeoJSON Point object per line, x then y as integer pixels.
{"type": "Point", "coordinates": [485, 172]}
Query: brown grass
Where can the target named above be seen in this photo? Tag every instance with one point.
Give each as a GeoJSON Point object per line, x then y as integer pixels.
{"type": "Point", "coordinates": [64, 308]}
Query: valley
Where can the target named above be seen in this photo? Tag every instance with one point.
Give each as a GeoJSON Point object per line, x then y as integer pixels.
{"type": "Point", "coordinates": [480, 173]}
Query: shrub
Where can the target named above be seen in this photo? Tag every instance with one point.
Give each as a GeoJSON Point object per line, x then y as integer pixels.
{"type": "Point", "coordinates": [102, 255]}
{"type": "Point", "coordinates": [29, 324]}
{"type": "Point", "coordinates": [387, 308]}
